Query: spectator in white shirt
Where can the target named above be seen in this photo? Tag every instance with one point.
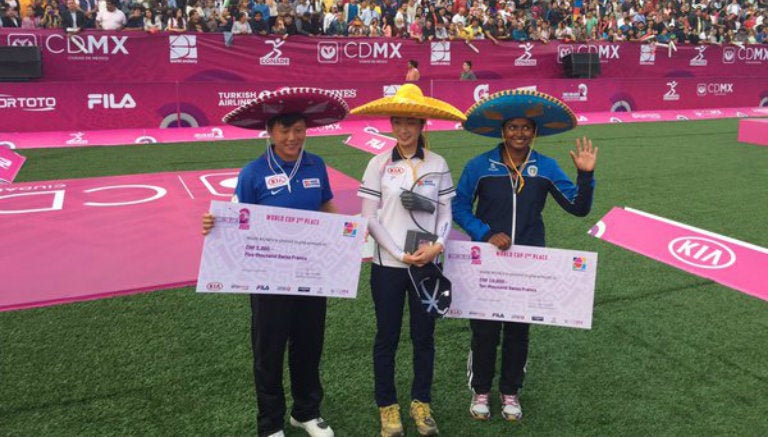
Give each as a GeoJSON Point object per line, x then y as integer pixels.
{"type": "Point", "coordinates": [112, 18]}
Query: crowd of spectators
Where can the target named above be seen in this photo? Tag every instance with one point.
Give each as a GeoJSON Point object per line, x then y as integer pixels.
{"type": "Point", "coordinates": [680, 21]}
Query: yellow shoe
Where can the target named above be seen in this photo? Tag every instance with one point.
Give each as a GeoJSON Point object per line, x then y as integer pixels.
{"type": "Point", "coordinates": [422, 417]}
{"type": "Point", "coordinates": [391, 425]}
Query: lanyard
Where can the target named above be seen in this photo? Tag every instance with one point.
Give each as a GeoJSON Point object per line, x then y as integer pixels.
{"type": "Point", "coordinates": [271, 157]}
{"type": "Point", "coordinates": [414, 168]}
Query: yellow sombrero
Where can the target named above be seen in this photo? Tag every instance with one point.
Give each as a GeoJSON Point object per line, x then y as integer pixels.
{"type": "Point", "coordinates": [551, 115]}
{"type": "Point", "coordinates": [409, 101]}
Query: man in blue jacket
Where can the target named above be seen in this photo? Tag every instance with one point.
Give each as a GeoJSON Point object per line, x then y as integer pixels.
{"type": "Point", "coordinates": [510, 184]}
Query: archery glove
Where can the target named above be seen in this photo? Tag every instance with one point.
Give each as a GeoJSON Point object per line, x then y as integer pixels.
{"type": "Point", "coordinates": [414, 202]}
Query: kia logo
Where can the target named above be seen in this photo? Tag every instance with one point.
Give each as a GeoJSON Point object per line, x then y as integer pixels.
{"type": "Point", "coordinates": [702, 252]}
{"type": "Point", "coordinates": [395, 170]}
{"type": "Point", "coordinates": [214, 286]}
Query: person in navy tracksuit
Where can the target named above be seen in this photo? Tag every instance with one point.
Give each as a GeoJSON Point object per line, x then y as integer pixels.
{"type": "Point", "coordinates": [510, 184]}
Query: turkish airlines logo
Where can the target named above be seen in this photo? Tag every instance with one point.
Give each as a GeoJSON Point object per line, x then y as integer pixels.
{"type": "Point", "coordinates": [698, 60]}
{"type": "Point", "coordinates": [671, 94]}
{"type": "Point", "coordinates": [440, 53]}
{"type": "Point", "coordinates": [526, 59]}
{"type": "Point", "coordinates": [109, 101]}
{"type": "Point", "coordinates": [702, 252]}
{"type": "Point", "coordinates": [274, 57]}
{"type": "Point", "coordinates": [183, 49]}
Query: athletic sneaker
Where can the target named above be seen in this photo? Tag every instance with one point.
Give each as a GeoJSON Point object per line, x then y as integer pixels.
{"type": "Point", "coordinates": [277, 434]}
{"type": "Point", "coordinates": [479, 407]}
{"type": "Point", "coordinates": [391, 425]}
{"type": "Point", "coordinates": [510, 408]}
{"type": "Point", "coordinates": [314, 427]}
{"type": "Point", "coordinates": [422, 417]}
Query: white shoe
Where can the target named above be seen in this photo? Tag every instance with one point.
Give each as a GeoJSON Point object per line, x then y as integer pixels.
{"type": "Point", "coordinates": [511, 409]}
{"type": "Point", "coordinates": [314, 427]}
{"type": "Point", "coordinates": [277, 434]}
{"type": "Point", "coordinates": [479, 407]}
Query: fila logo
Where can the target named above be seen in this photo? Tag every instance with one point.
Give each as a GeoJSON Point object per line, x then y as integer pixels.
{"type": "Point", "coordinates": [109, 101]}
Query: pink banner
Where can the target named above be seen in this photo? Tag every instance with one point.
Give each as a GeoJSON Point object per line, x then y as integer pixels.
{"type": "Point", "coordinates": [10, 164]}
{"type": "Point", "coordinates": [57, 106]}
{"type": "Point", "coordinates": [123, 234]}
{"type": "Point", "coordinates": [123, 57]}
{"type": "Point", "coordinates": [370, 141]}
{"type": "Point", "coordinates": [620, 95]}
{"type": "Point", "coordinates": [121, 137]}
{"type": "Point", "coordinates": [727, 261]}
{"type": "Point", "coordinates": [754, 131]}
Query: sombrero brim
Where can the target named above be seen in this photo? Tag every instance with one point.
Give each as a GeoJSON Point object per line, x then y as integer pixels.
{"type": "Point", "coordinates": [551, 116]}
{"type": "Point", "coordinates": [394, 106]}
{"type": "Point", "coordinates": [319, 107]}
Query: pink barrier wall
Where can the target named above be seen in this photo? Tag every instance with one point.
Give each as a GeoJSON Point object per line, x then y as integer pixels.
{"type": "Point", "coordinates": [57, 106]}
{"type": "Point", "coordinates": [138, 56]}
{"type": "Point", "coordinates": [754, 131]}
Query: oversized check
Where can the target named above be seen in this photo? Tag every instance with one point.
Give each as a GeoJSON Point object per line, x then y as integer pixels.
{"type": "Point", "coordinates": [269, 250]}
{"type": "Point", "coordinates": [523, 284]}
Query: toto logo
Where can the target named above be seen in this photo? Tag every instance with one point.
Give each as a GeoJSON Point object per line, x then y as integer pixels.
{"type": "Point", "coordinates": [702, 252]}
{"type": "Point", "coordinates": [214, 286]}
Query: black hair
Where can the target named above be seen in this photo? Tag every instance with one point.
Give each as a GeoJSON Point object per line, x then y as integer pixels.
{"type": "Point", "coordinates": [414, 62]}
{"type": "Point", "coordinates": [284, 120]}
{"type": "Point", "coordinates": [469, 63]}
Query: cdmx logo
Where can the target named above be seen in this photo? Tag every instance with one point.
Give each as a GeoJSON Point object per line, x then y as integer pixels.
{"type": "Point", "coordinates": [22, 40]}
{"type": "Point", "coordinates": [274, 57]}
{"type": "Point", "coordinates": [331, 52]}
{"type": "Point", "coordinates": [87, 44]}
{"type": "Point", "coordinates": [526, 59]}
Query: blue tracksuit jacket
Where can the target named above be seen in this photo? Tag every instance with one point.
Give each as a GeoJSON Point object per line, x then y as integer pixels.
{"type": "Point", "coordinates": [486, 179]}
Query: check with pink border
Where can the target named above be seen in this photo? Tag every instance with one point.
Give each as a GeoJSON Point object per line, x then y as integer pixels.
{"type": "Point", "coordinates": [269, 250]}
{"type": "Point", "coordinates": [523, 284]}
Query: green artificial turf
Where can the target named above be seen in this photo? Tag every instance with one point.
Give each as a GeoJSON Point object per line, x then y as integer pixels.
{"type": "Point", "coordinates": [669, 354]}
